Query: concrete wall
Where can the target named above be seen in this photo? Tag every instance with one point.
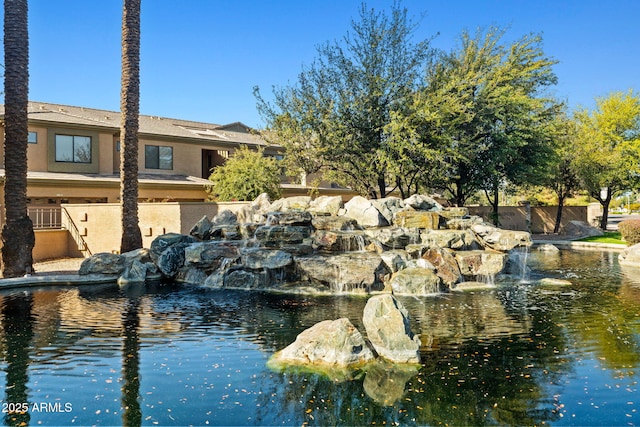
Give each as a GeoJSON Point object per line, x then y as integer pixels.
{"type": "Point", "coordinates": [543, 218]}
{"type": "Point", "coordinates": [52, 244]}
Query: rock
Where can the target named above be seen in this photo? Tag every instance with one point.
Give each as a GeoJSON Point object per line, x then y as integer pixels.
{"type": "Point", "coordinates": [259, 258]}
{"type": "Point", "coordinates": [480, 263]}
{"type": "Point", "coordinates": [463, 223]}
{"type": "Point", "coordinates": [472, 286]}
{"type": "Point", "coordinates": [500, 240]}
{"type": "Point", "coordinates": [446, 266]}
{"type": "Point", "coordinates": [334, 223]}
{"type": "Point", "coordinates": [326, 205]}
{"type": "Point", "coordinates": [164, 241]}
{"type": "Point", "coordinates": [289, 218]}
{"type": "Point", "coordinates": [340, 241]}
{"type": "Point", "coordinates": [417, 219]}
{"type": "Point", "coordinates": [330, 342]}
{"type": "Point", "coordinates": [201, 229]}
{"type": "Point", "coordinates": [276, 235]}
{"type": "Point", "coordinates": [190, 275]}
{"type": "Point", "coordinates": [454, 212]}
{"type": "Point", "coordinates": [296, 203]}
{"type": "Point", "coordinates": [244, 279]}
{"type": "Point", "coordinates": [211, 254]}
{"type": "Point", "coordinates": [630, 256]}
{"type": "Point", "coordinates": [226, 217]}
{"type": "Point", "coordinates": [103, 263]}
{"type": "Point", "coordinates": [136, 273]}
{"type": "Point", "coordinates": [421, 202]}
{"type": "Point", "coordinates": [389, 331]}
{"type": "Point", "coordinates": [453, 239]}
{"type": "Point", "coordinates": [580, 229]}
{"type": "Point", "coordinates": [395, 260]}
{"type": "Point", "coordinates": [355, 272]}
{"type": "Point", "coordinates": [393, 237]}
{"type": "Point", "coordinates": [364, 212]}
{"type": "Point", "coordinates": [415, 281]}
{"type": "Point", "coordinates": [388, 207]}
{"type": "Point", "coordinates": [547, 247]}
{"type": "Point", "coordinates": [171, 260]}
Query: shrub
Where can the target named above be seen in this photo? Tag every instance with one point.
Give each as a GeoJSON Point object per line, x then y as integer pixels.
{"type": "Point", "coordinates": [630, 231]}
{"type": "Point", "coordinates": [245, 176]}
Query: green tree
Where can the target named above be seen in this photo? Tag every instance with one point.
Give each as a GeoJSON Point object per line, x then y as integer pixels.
{"type": "Point", "coordinates": [129, 125]}
{"type": "Point", "coordinates": [245, 176]}
{"type": "Point", "coordinates": [18, 238]}
{"type": "Point", "coordinates": [607, 149]}
{"type": "Point", "coordinates": [482, 109]}
{"type": "Point", "coordinates": [333, 120]}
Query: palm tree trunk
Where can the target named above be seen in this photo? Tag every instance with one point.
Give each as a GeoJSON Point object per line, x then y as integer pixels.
{"type": "Point", "coordinates": [129, 109]}
{"type": "Point", "coordinates": [17, 233]}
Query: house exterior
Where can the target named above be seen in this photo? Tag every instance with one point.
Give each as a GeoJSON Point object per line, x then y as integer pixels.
{"type": "Point", "coordinates": [73, 155]}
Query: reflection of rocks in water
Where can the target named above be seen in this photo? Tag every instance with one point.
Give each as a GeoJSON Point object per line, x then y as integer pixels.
{"type": "Point", "coordinates": [385, 383]}
{"type": "Point", "coordinates": [465, 316]}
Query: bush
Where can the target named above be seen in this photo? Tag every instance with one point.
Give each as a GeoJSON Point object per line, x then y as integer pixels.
{"type": "Point", "coordinates": [630, 231]}
{"type": "Point", "coordinates": [245, 176]}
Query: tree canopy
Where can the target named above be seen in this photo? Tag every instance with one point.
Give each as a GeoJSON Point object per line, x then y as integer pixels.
{"type": "Point", "coordinates": [333, 120]}
{"type": "Point", "coordinates": [245, 176]}
{"type": "Point", "coordinates": [607, 150]}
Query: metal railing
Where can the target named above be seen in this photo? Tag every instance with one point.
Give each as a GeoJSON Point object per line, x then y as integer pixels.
{"type": "Point", "coordinates": [45, 218]}
{"type": "Point", "coordinates": [75, 233]}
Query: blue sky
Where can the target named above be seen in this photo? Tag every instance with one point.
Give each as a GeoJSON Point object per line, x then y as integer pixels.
{"type": "Point", "coordinates": [200, 59]}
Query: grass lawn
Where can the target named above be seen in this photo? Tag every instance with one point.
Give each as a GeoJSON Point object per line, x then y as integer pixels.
{"type": "Point", "coordinates": [608, 237]}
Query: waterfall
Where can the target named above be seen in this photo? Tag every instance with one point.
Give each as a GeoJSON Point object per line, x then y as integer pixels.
{"type": "Point", "coordinates": [518, 258]}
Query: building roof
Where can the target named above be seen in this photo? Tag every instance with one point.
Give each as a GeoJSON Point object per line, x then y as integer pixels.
{"type": "Point", "coordinates": [236, 133]}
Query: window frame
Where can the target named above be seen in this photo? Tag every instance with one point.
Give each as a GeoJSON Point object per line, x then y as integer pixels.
{"type": "Point", "coordinates": [75, 159]}
{"type": "Point", "coordinates": [154, 160]}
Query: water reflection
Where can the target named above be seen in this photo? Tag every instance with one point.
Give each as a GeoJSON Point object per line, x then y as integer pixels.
{"type": "Point", "coordinates": [521, 354]}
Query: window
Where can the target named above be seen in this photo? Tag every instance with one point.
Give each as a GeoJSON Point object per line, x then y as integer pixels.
{"type": "Point", "coordinates": [33, 138]}
{"type": "Point", "coordinates": [73, 148]}
{"type": "Point", "coordinates": [158, 157]}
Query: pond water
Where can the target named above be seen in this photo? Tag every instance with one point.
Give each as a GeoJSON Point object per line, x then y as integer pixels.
{"type": "Point", "coordinates": [520, 354]}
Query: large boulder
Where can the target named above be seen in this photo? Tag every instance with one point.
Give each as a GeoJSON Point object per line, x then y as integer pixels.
{"type": "Point", "coordinates": [277, 235]}
{"type": "Point", "coordinates": [330, 342]}
{"type": "Point", "coordinates": [295, 203]}
{"type": "Point", "coordinates": [326, 205]}
{"type": "Point", "coordinates": [630, 256]}
{"type": "Point", "coordinates": [417, 219]}
{"type": "Point", "coordinates": [500, 240]}
{"type": "Point", "coordinates": [445, 265]}
{"type": "Point", "coordinates": [421, 202]}
{"type": "Point", "coordinates": [103, 263]}
{"type": "Point", "coordinates": [393, 237]}
{"type": "Point", "coordinates": [452, 239]}
{"type": "Point", "coordinates": [364, 212]}
{"type": "Point", "coordinates": [388, 207]}
{"type": "Point", "coordinates": [388, 328]}
{"type": "Point", "coordinates": [351, 272]}
{"type": "Point", "coordinates": [260, 258]}
{"type": "Point", "coordinates": [202, 228]}
{"type": "Point", "coordinates": [289, 218]}
{"type": "Point", "coordinates": [211, 254]}
{"type": "Point", "coordinates": [334, 223]}
{"type": "Point", "coordinates": [165, 241]}
{"type": "Point", "coordinates": [580, 229]}
{"type": "Point", "coordinates": [475, 264]}
{"type": "Point", "coordinates": [340, 241]}
{"type": "Point", "coordinates": [415, 281]}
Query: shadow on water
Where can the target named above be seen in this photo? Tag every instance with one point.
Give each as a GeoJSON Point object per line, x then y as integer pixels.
{"type": "Point", "coordinates": [520, 354]}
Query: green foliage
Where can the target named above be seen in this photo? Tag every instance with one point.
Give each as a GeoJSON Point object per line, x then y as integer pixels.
{"type": "Point", "coordinates": [630, 231]}
{"type": "Point", "coordinates": [245, 176]}
{"type": "Point", "coordinates": [334, 118]}
{"type": "Point", "coordinates": [607, 149]}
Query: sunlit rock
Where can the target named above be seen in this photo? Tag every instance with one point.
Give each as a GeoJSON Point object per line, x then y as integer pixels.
{"type": "Point", "coordinates": [480, 263]}
{"type": "Point", "coordinates": [334, 223]}
{"type": "Point", "coordinates": [350, 272]}
{"type": "Point", "coordinates": [330, 342]}
{"type": "Point", "coordinates": [289, 218]}
{"type": "Point", "coordinates": [417, 219]}
{"type": "Point", "coordinates": [415, 281]}
{"type": "Point", "coordinates": [388, 207]}
{"type": "Point", "coordinates": [388, 328]}
{"type": "Point", "coordinates": [453, 239]}
{"type": "Point", "coordinates": [422, 202]}
{"type": "Point", "coordinates": [445, 264]}
{"type": "Point", "coordinates": [296, 203]}
{"type": "Point", "coordinates": [326, 205]}
{"type": "Point", "coordinates": [202, 228]}
{"type": "Point", "coordinates": [393, 237]}
{"type": "Point", "coordinates": [500, 240]}
{"type": "Point", "coordinates": [364, 212]}
{"type": "Point", "coordinates": [340, 241]}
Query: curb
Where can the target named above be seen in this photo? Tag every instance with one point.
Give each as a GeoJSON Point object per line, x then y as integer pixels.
{"type": "Point", "coordinates": [62, 280]}
{"type": "Point", "coordinates": [570, 244]}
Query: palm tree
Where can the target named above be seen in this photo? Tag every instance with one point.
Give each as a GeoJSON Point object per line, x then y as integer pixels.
{"type": "Point", "coordinates": [17, 233]}
{"type": "Point", "coordinates": [129, 110]}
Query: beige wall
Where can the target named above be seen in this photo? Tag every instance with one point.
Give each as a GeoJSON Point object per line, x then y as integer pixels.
{"type": "Point", "coordinates": [52, 244]}
{"type": "Point", "coordinates": [99, 223]}
{"type": "Point", "coordinates": [542, 217]}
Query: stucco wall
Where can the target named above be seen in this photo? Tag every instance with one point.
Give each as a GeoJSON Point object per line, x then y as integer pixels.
{"type": "Point", "coordinates": [542, 217]}
{"type": "Point", "coordinates": [52, 244]}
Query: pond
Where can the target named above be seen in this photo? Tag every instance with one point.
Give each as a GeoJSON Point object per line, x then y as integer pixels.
{"type": "Point", "coordinates": [519, 354]}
